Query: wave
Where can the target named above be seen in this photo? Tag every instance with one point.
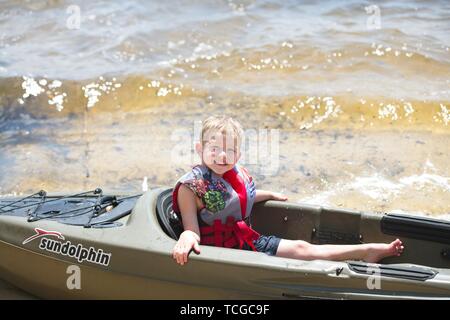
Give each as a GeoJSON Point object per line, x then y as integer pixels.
{"type": "Point", "coordinates": [42, 98]}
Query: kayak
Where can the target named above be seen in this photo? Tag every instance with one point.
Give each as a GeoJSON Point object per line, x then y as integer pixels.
{"type": "Point", "coordinates": [99, 245]}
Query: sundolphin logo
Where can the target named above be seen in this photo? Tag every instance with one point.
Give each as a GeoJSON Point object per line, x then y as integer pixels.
{"type": "Point", "coordinates": [76, 251]}
{"type": "Point", "coordinates": [41, 233]}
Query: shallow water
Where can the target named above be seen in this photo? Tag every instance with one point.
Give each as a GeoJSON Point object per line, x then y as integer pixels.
{"type": "Point", "coordinates": [359, 105]}
{"type": "Point", "coordinates": [96, 94]}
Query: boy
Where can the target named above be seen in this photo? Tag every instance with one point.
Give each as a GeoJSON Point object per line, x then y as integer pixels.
{"type": "Point", "coordinates": [215, 199]}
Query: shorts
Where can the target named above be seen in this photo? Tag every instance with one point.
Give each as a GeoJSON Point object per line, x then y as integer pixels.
{"type": "Point", "coordinates": [266, 244]}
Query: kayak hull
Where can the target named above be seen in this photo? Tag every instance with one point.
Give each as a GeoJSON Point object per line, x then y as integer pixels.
{"type": "Point", "coordinates": [134, 261]}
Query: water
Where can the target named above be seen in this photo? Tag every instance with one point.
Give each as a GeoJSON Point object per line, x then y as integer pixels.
{"type": "Point", "coordinates": [360, 95]}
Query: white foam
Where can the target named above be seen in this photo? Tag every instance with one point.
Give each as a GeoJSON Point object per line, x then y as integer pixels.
{"type": "Point", "coordinates": [34, 88]}
{"type": "Point", "coordinates": [94, 90]}
{"type": "Point", "coordinates": [92, 94]}
{"type": "Point", "coordinates": [445, 216]}
{"type": "Point", "coordinates": [321, 198]}
{"type": "Point", "coordinates": [376, 186]}
{"type": "Point", "coordinates": [55, 84]}
{"type": "Point", "coordinates": [379, 187]}
{"type": "Point", "coordinates": [445, 114]}
{"type": "Point", "coordinates": [31, 87]}
{"type": "Point", "coordinates": [58, 101]}
{"type": "Point", "coordinates": [427, 179]}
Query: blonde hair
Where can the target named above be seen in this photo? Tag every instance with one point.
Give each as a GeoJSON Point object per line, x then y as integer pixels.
{"type": "Point", "coordinates": [225, 125]}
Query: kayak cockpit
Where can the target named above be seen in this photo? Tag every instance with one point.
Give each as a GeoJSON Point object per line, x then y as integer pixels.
{"type": "Point", "coordinates": [168, 220]}
{"type": "Point", "coordinates": [427, 241]}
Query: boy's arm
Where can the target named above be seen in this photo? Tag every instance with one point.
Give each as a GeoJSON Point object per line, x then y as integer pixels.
{"type": "Point", "coordinates": [190, 237]}
{"type": "Point", "coordinates": [188, 209]}
{"type": "Point", "coordinates": [263, 195]}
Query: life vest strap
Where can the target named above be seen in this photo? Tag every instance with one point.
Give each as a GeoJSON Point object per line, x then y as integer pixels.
{"type": "Point", "coordinates": [229, 235]}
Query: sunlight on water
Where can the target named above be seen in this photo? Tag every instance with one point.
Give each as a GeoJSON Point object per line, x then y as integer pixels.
{"type": "Point", "coordinates": [33, 88]}
{"type": "Point", "coordinates": [94, 90]}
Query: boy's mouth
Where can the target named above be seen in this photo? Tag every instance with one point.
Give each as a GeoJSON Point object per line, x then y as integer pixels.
{"type": "Point", "coordinates": [221, 164]}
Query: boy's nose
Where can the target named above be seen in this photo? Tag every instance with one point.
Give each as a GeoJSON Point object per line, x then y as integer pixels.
{"type": "Point", "coordinates": [223, 156]}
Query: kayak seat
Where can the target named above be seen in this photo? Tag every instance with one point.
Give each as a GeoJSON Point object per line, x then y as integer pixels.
{"type": "Point", "coordinates": [168, 220]}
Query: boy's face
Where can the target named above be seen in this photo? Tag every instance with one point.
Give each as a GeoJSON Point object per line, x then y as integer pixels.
{"type": "Point", "coordinates": [220, 152]}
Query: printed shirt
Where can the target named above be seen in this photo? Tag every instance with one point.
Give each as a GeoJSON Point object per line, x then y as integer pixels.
{"type": "Point", "coordinates": [232, 195]}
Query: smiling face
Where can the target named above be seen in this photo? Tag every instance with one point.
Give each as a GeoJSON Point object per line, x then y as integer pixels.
{"type": "Point", "coordinates": [219, 151]}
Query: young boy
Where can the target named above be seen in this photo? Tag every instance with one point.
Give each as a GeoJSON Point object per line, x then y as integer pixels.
{"type": "Point", "coordinates": [216, 198]}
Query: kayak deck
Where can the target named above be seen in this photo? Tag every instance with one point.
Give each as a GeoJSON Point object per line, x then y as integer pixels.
{"type": "Point", "coordinates": [141, 262]}
{"type": "Point", "coordinates": [426, 241]}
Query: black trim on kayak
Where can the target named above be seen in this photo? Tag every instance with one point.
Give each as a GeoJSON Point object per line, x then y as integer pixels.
{"type": "Point", "coordinates": [42, 194]}
{"type": "Point", "coordinates": [416, 227]}
{"type": "Point", "coordinates": [77, 210]}
{"type": "Point", "coordinates": [325, 236]}
{"type": "Point", "coordinates": [167, 218]}
{"type": "Point", "coordinates": [393, 271]}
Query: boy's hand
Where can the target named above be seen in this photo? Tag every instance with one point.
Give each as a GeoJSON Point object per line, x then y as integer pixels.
{"type": "Point", "coordinates": [278, 196]}
{"type": "Point", "coordinates": [188, 240]}
{"type": "Point", "coordinates": [263, 195]}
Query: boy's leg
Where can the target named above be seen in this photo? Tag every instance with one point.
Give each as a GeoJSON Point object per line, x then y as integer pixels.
{"type": "Point", "coordinates": [370, 252]}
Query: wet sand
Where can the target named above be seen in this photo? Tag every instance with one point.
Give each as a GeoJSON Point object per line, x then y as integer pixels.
{"type": "Point", "coordinates": [379, 170]}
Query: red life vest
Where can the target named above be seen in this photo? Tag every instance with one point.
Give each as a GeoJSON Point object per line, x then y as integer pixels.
{"type": "Point", "coordinates": [233, 233]}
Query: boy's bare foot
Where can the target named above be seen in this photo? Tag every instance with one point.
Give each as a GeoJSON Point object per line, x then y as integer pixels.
{"type": "Point", "coordinates": [378, 251]}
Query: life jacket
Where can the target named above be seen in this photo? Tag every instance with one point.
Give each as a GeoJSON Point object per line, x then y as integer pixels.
{"type": "Point", "coordinates": [227, 200]}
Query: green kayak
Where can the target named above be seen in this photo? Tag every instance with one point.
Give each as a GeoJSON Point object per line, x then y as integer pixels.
{"type": "Point", "coordinates": [96, 245]}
